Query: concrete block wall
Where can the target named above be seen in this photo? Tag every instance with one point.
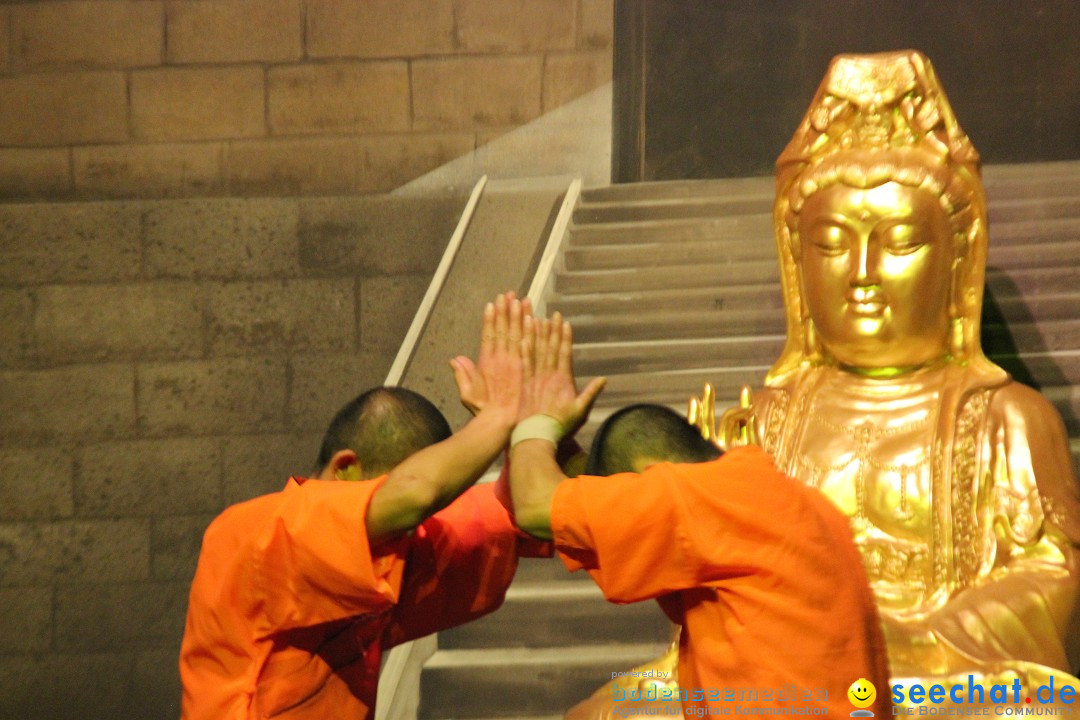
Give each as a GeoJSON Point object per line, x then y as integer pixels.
{"type": "Point", "coordinates": [159, 360]}
{"type": "Point", "coordinates": [178, 98]}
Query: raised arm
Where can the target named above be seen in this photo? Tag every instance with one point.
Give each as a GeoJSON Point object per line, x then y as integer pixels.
{"type": "Point", "coordinates": [551, 409]}
{"type": "Point", "coordinates": [430, 479]}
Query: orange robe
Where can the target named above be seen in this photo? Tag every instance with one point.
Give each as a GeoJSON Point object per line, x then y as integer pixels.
{"type": "Point", "coordinates": [760, 571]}
{"type": "Point", "coordinates": [290, 609]}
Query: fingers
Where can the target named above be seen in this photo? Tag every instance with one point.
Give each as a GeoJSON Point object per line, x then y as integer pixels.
{"type": "Point", "coordinates": [550, 359]}
{"type": "Point", "coordinates": [745, 397]}
{"type": "Point", "coordinates": [515, 330]}
{"type": "Point", "coordinates": [543, 329]}
{"type": "Point", "coordinates": [565, 357]}
{"type": "Point", "coordinates": [487, 334]}
{"type": "Point", "coordinates": [501, 323]}
{"type": "Point", "coordinates": [528, 341]}
{"type": "Point", "coordinates": [588, 396]}
{"type": "Point", "coordinates": [461, 377]}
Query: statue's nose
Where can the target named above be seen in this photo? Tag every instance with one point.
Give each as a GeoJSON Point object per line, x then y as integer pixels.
{"type": "Point", "coordinates": [864, 256]}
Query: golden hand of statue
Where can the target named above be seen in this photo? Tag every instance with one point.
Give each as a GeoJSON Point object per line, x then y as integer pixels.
{"type": "Point", "coordinates": [736, 426]}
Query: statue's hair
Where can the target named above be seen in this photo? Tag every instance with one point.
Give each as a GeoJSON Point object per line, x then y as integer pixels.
{"type": "Point", "coordinates": [951, 185]}
{"type": "Point", "coordinates": [646, 432]}
{"type": "Point", "coordinates": [383, 426]}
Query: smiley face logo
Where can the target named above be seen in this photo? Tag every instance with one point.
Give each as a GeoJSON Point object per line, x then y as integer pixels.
{"type": "Point", "coordinates": [862, 694]}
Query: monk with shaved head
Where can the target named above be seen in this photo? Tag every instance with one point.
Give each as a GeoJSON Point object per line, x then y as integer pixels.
{"type": "Point", "coordinates": [759, 570]}
{"type": "Point", "coordinates": [297, 593]}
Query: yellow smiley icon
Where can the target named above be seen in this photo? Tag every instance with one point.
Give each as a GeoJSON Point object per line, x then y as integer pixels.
{"type": "Point", "coordinates": [862, 693]}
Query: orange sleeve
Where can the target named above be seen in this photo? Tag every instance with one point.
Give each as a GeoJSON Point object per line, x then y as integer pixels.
{"type": "Point", "coordinates": [461, 561]}
{"type": "Point", "coordinates": [311, 558]}
{"type": "Point", "coordinates": [671, 528]}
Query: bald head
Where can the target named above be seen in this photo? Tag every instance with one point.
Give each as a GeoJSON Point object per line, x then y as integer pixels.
{"type": "Point", "coordinates": [640, 435]}
{"type": "Point", "coordinates": [383, 426]}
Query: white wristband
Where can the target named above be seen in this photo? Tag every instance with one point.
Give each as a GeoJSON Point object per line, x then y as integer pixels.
{"type": "Point", "coordinates": [537, 427]}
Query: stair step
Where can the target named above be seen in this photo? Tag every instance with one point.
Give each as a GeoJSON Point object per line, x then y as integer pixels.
{"type": "Point", "coordinates": [547, 570]}
{"type": "Point", "coordinates": [1034, 173]}
{"type": "Point", "coordinates": [757, 229]}
{"type": "Point", "coordinates": [1056, 280]}
{"type": "Point", "coordinates": [521, 681]}
{"type": "Point", "coordinates": [1001, 181]}
{"type": "Point", "coordinates": [1032, 208]}
{"type": "Point", "coordinates": [1009, 202]}
{"type": "Point", "coordinates": [1060, 253]}
{"type": "Point", "coordinates": [624, 357]}
{"type": "Point", "coordinates": [732, 297]}
{"type": "Point", "coordinates": [767, 297]}
{"type": "Point", "coordinates": [1035, 231]}
{"type": "Point", "coordinates": [658, 278]}
{"type": "Point", "coordinates": [733, 228]}
{"type": "Point", "coordinates": [674, 189]}
{"type": "Point", "coordinates": [1034, 367]}
{"type": "Point", "coordinates": [556, 614]}
{"type": "Point", "coordinates": [1044, 326]}
{"type": "Point", "coordinates": [1041, 370]}
{"type": "Point", "coordinates": [690, 207]}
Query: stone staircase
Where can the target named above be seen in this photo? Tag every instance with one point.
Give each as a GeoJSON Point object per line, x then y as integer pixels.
{"type": "Point", "coordinates": [670, 285]}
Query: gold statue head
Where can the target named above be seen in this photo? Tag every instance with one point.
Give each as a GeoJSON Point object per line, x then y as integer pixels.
{"type": "Point", "coordinates": [880, 221]}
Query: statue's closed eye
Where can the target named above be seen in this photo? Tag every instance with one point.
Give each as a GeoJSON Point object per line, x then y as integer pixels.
{"type": "Point", "coordinates": [904, 239]}
{"type": "Point", "coordinates": [830, 239]}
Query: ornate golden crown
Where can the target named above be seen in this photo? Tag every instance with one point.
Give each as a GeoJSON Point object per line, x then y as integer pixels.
{"type": "Point", "coordinates": [882, 101]}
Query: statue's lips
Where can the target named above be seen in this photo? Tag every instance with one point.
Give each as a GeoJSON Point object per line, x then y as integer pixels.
{"type": "Point", "coordinates": [868, 309]}
{"type": "Point", "coordinates": [865, 301]}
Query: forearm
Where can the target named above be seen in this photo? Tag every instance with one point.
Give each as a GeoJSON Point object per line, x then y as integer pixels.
{"type": "Point", "coordinates": [571, 457]}
{"type": "Point", "coordinates": [534, 475]}
{"type": "Point", "coordinates": [430, 479]}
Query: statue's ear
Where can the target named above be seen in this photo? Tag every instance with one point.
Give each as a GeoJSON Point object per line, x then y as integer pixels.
{"type": "Point", "coordinates": [965, 247]}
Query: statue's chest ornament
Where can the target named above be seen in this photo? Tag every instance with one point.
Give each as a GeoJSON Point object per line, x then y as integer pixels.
{"type": "Point", "coordinates": [874, 460]}
{"type": "Point", "coordinates": [894, 455]}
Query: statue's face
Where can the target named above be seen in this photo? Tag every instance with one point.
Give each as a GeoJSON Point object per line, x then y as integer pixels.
{"type": "Point", "coordinates": [876, 274]}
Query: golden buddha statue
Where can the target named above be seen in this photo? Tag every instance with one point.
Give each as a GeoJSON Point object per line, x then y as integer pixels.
{"type": "Point", "coordinates": [958, 481]}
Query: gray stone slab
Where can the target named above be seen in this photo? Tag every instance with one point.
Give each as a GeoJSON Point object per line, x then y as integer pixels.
{"type": "Point", "coordinates": [78, 403]}
{"type": "Point", "coordinates": [250, 318]}
{"type": "Point", "coordinates": [322, 383]}
{"type": "Point", "coordinates": [387, 307]}
{"type": "Point", "coordinates": [221, 238]}
{"type": "Point", "coordinates": [120, 615]}
{"type": "Point", "coordinates": [155, 686]}
{"type": "Point", "coordinates": [17, 328]}
{"type": "Point", "coordinates": [74, 551]}
{"type": "Point", "coordinates": [86, 323]}
{"type": "Point", "coordinates": [260, 464]}
{"type": "Point", "coordinates": [70, 242]}
{"type": "Point", "coordinates": [64, 686]}
{"type": "Point", "coordinates": [174, 546]}
{"type": "Point", "coordinates": [149, 477]}
{"type": "Point", "coordinates": [376, 235]}
{"type": "Point", "coordinates": [214, 396]}
{"type": "Point", "coordinates": [27, 625]}
{"type": "Point", "coordinates": [36, 484]}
